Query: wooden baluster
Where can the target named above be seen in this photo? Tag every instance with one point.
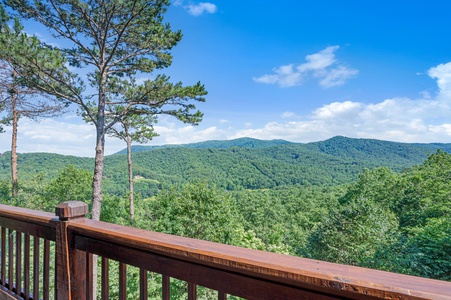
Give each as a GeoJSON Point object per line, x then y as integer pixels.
{"type": "Point", "coordinates": [192, 291]}
{"type": "Point", "coordinates": [36, 267]}
{"type": "Point", "coordinates": [166, 288]}
{"type": "Point", "coordinates": [89, 277]}
{"type": "Point", "coordinates": [143, 292]}
{"type": "Point", "coordinates": [3, 256]}
{"type": "Point", "coordinates": [10, 259]}
{"type": "Point", "coordinates": [105, 279]}
{"type": "Point", "coordinates": [222, 296]}
{"type": "Point", "coordinates": [122, 281]}
{"type": "Point", "coordinates": [26, 267]}
{"type": "Point", "coordinates": [18, 262]}
{"type": "Point", "coordinates": [46, 273]}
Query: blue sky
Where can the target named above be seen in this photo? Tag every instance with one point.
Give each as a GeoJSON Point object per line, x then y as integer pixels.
{"type": "Point", "coordinates": [301, 71]}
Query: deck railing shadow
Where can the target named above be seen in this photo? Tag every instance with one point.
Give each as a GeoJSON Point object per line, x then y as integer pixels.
{"type": "Point", "coordinates": [47, 256]}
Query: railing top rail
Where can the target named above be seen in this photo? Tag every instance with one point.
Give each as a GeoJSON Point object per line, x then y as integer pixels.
{"type": "Point", "coordinates": [294, 271]}
{"type": "Point", "coordinates": [33, 222]}
{"type": "Point", "coordinates": [25, 214]}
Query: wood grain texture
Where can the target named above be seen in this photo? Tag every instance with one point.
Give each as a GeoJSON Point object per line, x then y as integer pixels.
{"type": "Point", "coordinates": [35, 223]}
{"type": "Point", "coordinates": [105, 281]}
{"type": "Point", "coordinates": [312, 275]}
{"type": "Point", "coordinates": [71, 210]}
{"type": "Point", "coordinates": [5, 294]}
{"type": "Point", "coordinates": [247, 273]}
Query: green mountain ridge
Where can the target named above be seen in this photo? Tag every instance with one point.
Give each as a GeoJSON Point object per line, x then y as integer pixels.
{"type": "Point", "coordinates": [216, 144]}
{"type": "Point", "coordinates": [238, 164]}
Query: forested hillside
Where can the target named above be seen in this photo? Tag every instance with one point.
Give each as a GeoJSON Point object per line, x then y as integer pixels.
{"type": "Point", "coordinates": [237, 164]}
{"type": "Point", "coordinates": [361, 202]}
{"type": "Point", "coordinates": [241, 143]}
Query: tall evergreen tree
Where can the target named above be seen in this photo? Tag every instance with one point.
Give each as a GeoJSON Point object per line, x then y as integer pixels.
{"type": "Point", "coordinates": [16, 99]}
{"type": "Point", "coordinates": [133, 128]}
{"type": "Point", "coordinates": [113, 41]}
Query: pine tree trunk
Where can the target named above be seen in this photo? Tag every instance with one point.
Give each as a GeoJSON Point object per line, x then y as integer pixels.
{"type": "Point", "coordinates": [14, 173]}
{"type": "Point", "coordinates": [100, 152]}
{"type": "Point", "coordinates": [98, 171]}
{"type": "Point", "coordinates": [98, 176]}
{"type": "Point", "coordinates": [130, 177]}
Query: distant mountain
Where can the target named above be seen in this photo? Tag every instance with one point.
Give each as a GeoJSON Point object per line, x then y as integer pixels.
{"type": "Point", "coordinates": [237, 164]}
{"type": "Point", "coordinates": [215, 144]}
{"type": "Point", "coordinates": [386, 153]}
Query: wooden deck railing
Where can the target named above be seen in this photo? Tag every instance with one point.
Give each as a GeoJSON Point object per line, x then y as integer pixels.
{"type": "Point", "coordinates": [47, 256]}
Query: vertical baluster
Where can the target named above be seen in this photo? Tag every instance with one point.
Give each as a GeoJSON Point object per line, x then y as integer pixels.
{"type": "Point", "coordinates": [10, 259]}
{"type": "Point", "coordinates": [18, 262]}
{"type": "Point", "coordinates": [36, 267]}
{"type": "Point", "coordinates": [46, 287]}
{"type": "Point", "coordinates": [3, 256]}
{"type": "Point", "coordinates": [105, 279]}
{"type": "Point", "coordinates": [26, 267]}
{"type": "Point", "coordinates": [166, 288]}
{"type": "Point", "coordinates": [89, 277]}
{"type": "Point", "coordinates": [143, 291]}
{"type": "Point", "coordinates": [222, 296]}
{"type": "Point", "coordinates": [122, 281]}
{"type": "Point", "coordinates": [192, 291]}
{"type": "Point", "coordinates": [56, 277]}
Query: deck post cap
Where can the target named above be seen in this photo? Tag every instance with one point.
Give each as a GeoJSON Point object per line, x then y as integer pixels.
{"type": "Point", "coordinates": [71, 209]}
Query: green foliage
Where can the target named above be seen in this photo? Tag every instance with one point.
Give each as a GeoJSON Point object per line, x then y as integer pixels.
{"type": "Point", "coordinates": [426, 253]}
{"type": "Point", "coordinates": [426, 192]}
{"type": "Point", "coordinates": [116, 210]}
{"type": "Point", "coordinates": [394, 221]}
{"type": "Point", "coordinates": [197, 210]}
{"type": "Point", "coordinates": [112, 42]}
{"type": "Point", "coordinates": [380, 185]}
{"type": "Point", "coordinates": [236, 143]}
{"type": "Point", "coordinates": [36, 193]}
{"type": "Point", "coordinates": [233, 168]}
{"type": "Point", "coordinates": [284, 217]}
{"type": "Point", "coordinates": [353, 232]}
{"type": "Point", "coordinates": [5, 191]}
{"type": "Point", "coordinates": [71, 184]}
{"type": "Point", "coordinates": [433, 244]}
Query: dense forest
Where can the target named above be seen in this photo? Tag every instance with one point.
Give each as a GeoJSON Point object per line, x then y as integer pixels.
{"type": "Point", "coordinates": [235, 165]}
{"type": "Point", "coordinates": [361, 202]}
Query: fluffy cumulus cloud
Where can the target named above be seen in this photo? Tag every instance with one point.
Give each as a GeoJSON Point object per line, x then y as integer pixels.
{"type": "Point", "coordinates": [397, 119]}
{"type": "Point", "coordinates": [402, 119]}
{"type": "Point", "coordinates": [172, 134]}
{"type": "Point", "coordinates": [78, 139]}
{"type": "Point", "coordinates": [49, 135]}
{"type": "Point", "coordinates": [197, 9]}
{"type": "Point", "coordinates": [322, 66]}
{"type": "Point", "coordinates": [443, 75]}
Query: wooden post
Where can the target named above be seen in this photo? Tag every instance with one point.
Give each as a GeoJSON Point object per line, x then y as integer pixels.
{"type": "Point", "coordinates": [70, 263]}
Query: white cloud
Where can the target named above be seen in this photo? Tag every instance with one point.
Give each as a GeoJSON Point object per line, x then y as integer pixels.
{"type": "Point", "coordinates": [52, 136]}
{"type": "Point", "coordinates": [285, 76]}
{"type": "Point", "coordinates": [289, 115]}
{"type": "Point", "coordinates": [400, 119]}
{"type": "Point", "coordinates": [186, 134]}
{"type": "Point", "coordinates": [322, 65]}
{"type": "Point", "coordinates": [335, 77]}
{"type": "Point", "coordinates": [320, 60]}
{"type": "Point", "coordinates": [337, 109]}
{"type": "Point", "coordinates": [201, 8]}
{"type": "Point", "coordinates": [443, 75]}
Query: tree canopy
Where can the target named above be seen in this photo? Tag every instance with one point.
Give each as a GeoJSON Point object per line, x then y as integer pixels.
{"type": "Point", "coordinates": [111, 42]}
